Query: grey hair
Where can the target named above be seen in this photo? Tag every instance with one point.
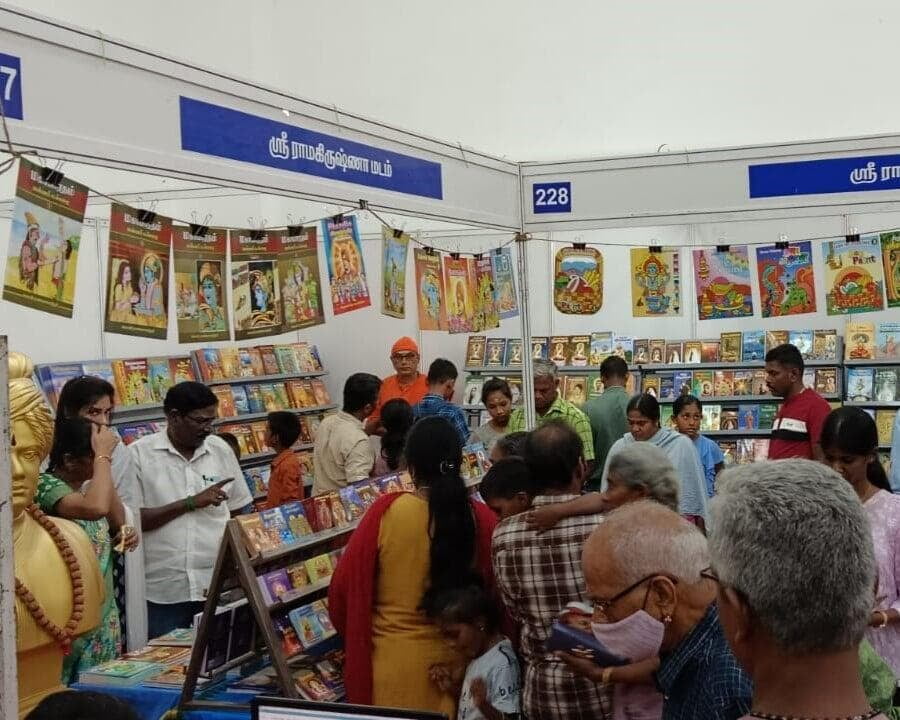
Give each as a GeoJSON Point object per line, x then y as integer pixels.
{"type": "Point", "coordinates": [544, 368]}
{"type": "Point", "coordinates": [647, 538]}
{"type": "Point", "coordinates": [642, 464]}
{"type": "Point", "coordinates": [792, 537]}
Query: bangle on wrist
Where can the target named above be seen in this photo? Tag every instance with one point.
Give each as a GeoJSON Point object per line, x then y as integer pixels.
{"type": "Point", "coordinates": [606, 677]}
{"type": "Point", "coordinates": [190, 504]}
{"type": "Point", "coordinates": [884, 618]}
{"type": "Point", "coordinates": [103, 457]}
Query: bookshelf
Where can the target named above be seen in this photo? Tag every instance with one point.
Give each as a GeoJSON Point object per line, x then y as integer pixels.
{"type": "Point", "coordinates": [874, 385]}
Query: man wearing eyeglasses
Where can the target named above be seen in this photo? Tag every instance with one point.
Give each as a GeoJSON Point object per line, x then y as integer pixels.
{"type": "Point", "coordinates": [187, 485]}
{"type": "Point", "coordinates": [408, 383]}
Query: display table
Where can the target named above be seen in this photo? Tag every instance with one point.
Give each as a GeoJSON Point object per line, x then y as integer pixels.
{"type": "Point", "coordinates": [153, 703]}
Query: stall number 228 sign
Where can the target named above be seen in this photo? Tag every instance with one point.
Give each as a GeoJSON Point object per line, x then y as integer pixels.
{"type": "Point", "coordinates": [552, 197]}
{"type": "Point", "coordinates": [11, 86]}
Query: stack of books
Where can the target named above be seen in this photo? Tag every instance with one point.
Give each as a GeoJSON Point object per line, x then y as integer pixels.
{"type": "Point", "coordinates": [260, 361]}
{"type": "Point", "coordinates": [236, 400]}
{"type": "Point", "coordinates": [157, 665]}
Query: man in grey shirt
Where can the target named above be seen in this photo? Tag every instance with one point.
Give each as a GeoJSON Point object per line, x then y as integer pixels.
{"type": "Point", "coordinates": [607, 414]}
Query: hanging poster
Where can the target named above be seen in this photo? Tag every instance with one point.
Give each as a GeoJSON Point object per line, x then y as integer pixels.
{"type": "Point", "coordinates": [137, 273]}
{"type": "Point", "coordinates": [722, 283]}
{"type": "Point", "coordinates": [853, 276]}
{"type": "Point", "coordinates": [201, 294]}
{"type": "Point", "coordinates": [458, 291]}
{"type": "Point", "coordinates": [43, 244]}
{"type": "Point", "coordinates": [578, 281]}
{"type": "Point", "coordinates": [486, 315]}
{"type": "Point", "coordinates": [429, 290]}
{"type": "Point", "coordinates": [255, 288]}
{"type": "Point", "coordinates": [394, 247]}
{"type": "Point", "coordinates": [890, 255]}
{"type": "Point", "coordinates": [301, 285]}
{"type": "Point", "coordinates": [655, 282]}
{"type": "Point", "coordinates": [786, 280]}
{"type": "Point", "coordinates": [346, 271]}
{"type": "Point", "coordinates": [504, 283]}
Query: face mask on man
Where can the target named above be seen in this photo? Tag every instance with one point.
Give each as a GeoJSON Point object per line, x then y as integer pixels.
{"type": "Point", "coordinates": [637, 637]}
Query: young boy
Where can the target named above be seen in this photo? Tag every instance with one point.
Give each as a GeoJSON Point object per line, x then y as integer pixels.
{"type": "Point", "coordinates": [286, 480]}
{"type": "Point", "coordinates": [506, 488]}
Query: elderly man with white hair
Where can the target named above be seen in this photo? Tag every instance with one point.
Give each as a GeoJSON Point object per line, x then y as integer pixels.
{"type": "Point", "coordinates": [793, 553]}
{"type": "Point", "coordinates": [653, 604]}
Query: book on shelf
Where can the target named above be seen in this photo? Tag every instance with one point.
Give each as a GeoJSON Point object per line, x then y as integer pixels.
{"type": "Point", "coordinates": [245, 368]}
{"type": "Point", "coordinates": [352, 502]}
{"type": "Point", "coordinates": [730, 346]}
{"type": "Point", "coordinates": [513, 354]}
{"type": "Point", "coordinates": [269, 361]}
{"type": "Point", "coordinates": [674, 353]}
{"type": "Point", "coordinates": [693, 352]}
{"type": "Point", "coordinates": [298, 576]}
{"type": "Point", "coordinates": [703, 384]}
{"type": "Point", "coordinates": [723, 383]}
{"type": "Point", "coordinates": [276, 525]}
{"type": "Point", "coordinates": [809, 378]}
{"type": "Point", "coordinates": [711, 417]}
{"type": "Point", "coordinates": [99, 368]}
{"type": "Point", "coordinates": [774, 338]}
{"type": "Point", "coordinates": [579, 350]}
{"type": "Point", "coordinates": [159, 380]}
{"type": "Point", "coordinates": [258, 430]}
{"type": "Point", "coordinates": [540, 348]}
{"type": "Point", "coordinates": [132, 383]}
{"type": "Point", "coordinates": [287, 360]}
{"type": "Point", "coordinates": [295, 518]}
{"type": "Point", "coordinates": [120, 673]}
{"type": "Point", "coordinates": [179, 637]}
{"type": "Point", "coordinates": [641, 350]}
{"type": "Point", "coordinates": [743, 380]}
{"type": "Point", "coordinates": [859, 341]}
{"type": "Point", "coordinates": [339, 513]}
{"type": "Point", "coordinates": [319, 568]}
{"type": "Point", "coordinates": [320, 392]}
{"type": "Point", "coordinates": [257, 538]}
{"type": "Point", "coordinates": [826, 381]}
{"type": "Point", "coordinates": [729, 451]}
{"type": "Point", "coordinates": [887, 341]}
{"type": "Point", "coordinates": [313, 687]}
{"type": "Point", "coordinates": [320, 518]}
{"type": "Point", "coordinates": [728, 420]}
{"type": "Point", "coordinates": [290, 643]}
{"type": "Point", "coordinates": [308, 357]}
{"type": "Point", "coordinates": [623, 347]}
{"type": "Point", "coordinates": [665, 416]}
{"type": "Point", "coordinates": [884, 421]}
{"type": "Point", "coordinates": [494, 350]}
{"type": "Point", "coordinates": [258, 479]}
{"type": "Point", "coordinates": [803, 341]}
{"type": "Point", "coordinates": [748, 416]}
{"type": "Point", "coordinates": [255, 399]}
{"type": "Point", "coordinates": [388, 484]}
{"type": "Point", "coordinates": [306, 624]}
{"type": "Point", "coordinates": [209, 363]}
{"type": "Point", "coordinates": [758, 383]}
{"type": "Point", "coordinates": [766, 415]}
{"type": "Point", "coordinates": [368, 492]}
{"type": "Point", "coordinates": [684, 382]}
{"type": "Point", "coordinates": [475, 348]}
{"type": "Point", "coordinates": [860, 382]}
{"type": "Point", "coordinates": [885, 384]}
{"type": "Point", "coordinates": [824, 345]}
{"type": "Point", "coordinates": [666, 385]}
{"type": "Point", "coordinates": [576, 389]}
{"type": "Point", "coordinates": [657, 351]}
{"type": "Point", "coordinates": [709, 351]}
{"type": "Point", "coordinates": [559, 350]}
{"type": "Point", "coordinates": [601, 347]}
{"type": "Point", "coordinates": [652, 385]}
{"type": "Point", "coordinates": [226, 407]}
{"type": "Point", "coordinates": [172, 678]}
{"type": "Point", "coordinates": [270, 402]}
{"type": "Point", "coordinates": [281, 397]}
{"type": "Point", "coordinates": [474, 461]}
{"type": "Point", "coordinates": [472, 391]}
{"type": "Point", "coordinates": [240, 399]}
{"type": "Point", "coordinates": [753, 345]}
{"type": "Point", "coordinates": [231, 363]}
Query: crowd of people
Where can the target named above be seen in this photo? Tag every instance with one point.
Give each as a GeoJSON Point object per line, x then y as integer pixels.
{"type": "Point", "coordinates": [769, 590]}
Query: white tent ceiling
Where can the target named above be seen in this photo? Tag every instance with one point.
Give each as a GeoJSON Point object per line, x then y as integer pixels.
{"type": "Point", "coordinates": [542, 80]}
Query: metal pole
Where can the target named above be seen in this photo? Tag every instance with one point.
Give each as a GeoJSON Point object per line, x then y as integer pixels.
{"type": "Point", "coordinates": [525, 325]}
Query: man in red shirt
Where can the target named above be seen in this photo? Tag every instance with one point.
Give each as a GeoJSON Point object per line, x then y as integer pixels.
{"type": "Point", "coordinates": [798, 424]}
{"type": "Point", "coordinates": [408, 384]}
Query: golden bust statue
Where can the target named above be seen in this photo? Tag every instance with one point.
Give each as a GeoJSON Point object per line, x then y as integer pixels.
{"type": "Point", "coordinates": [44, 578]}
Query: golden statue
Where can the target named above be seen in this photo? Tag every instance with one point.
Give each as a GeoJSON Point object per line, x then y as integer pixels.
{"type": "Point", "coordinates": [59, 588]}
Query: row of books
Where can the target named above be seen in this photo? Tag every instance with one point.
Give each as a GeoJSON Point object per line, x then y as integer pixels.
{"type": "Point", "coordinates": [304, 627]}
{"type": "Point", "coordinates": [282, 584]}
{"type": "Point", "coordinates": [584, 350]}
{"type": "Point", "coordinates": [866, 341]}
{"type": "Point", "coordinates": [237, 400]}
{"type": "Point", "coordinates": [716, 417]}
{"type": "Point", "coordinates": [744, 451]}
{"type": "Point", "coordinates": [880, 384]}
{"type": "Point", "coordinates": [251, 437]}
{"type": "Point", "coordinates": [320, 679]}
{"type": "Point", "coordinates": [272, 528]}
{"type": "Point", "coordinates": [730, 383]}
{"type": "Point", "coordinates": [247, 362]}
{"type": "Point", "coordinates": [580, 386]}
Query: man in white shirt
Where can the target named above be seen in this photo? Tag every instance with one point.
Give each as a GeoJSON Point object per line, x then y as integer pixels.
{"type": "Point", "coordinates": [342, 453]}
{"type": "Point", "coordinates": [187, 484]}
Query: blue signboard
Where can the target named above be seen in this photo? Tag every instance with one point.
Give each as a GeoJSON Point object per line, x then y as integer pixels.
{"type": "Point", "coordinates": [818, 177]}
{"type": "Point", "coordinates": [551, 197]}
{"type": "Point", "coordinates": [11, 86]}
{"type": "Point", "coordinates": [223, 132]}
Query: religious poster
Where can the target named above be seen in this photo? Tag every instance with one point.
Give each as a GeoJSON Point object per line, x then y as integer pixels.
{"type": "Point", "coordinates": [255, 287]}
{"type": "Point", "coordinates": [458, 292]}
{"type": "Point", "coordinates": [722, 283]}
{"type": "Point", "coordinates": [346, 271]}
{"type": "Point", "coordinates": [890, 256]}
{"type": "Point", "coordinates": [429, 290]}
{"type": "Point", "coordinates": [137, 274]}
{"type": "Point", "coordinates": [201, 293]}
{"type": "Point", "coordinates": [301, 285]}
{"type": "Point", "coordinates": [486, 314]}
{"type": "Point", "coordinates": [505, 283]}
{"type": "Point", "coordinates": [43, 243]}
{"type": "Point", "coordinates": [786, 280]}
{"type": "Point", "coordinates": [394, 247]}
{"type": "Point", "coordinates": [578, 281]}
{"type": "Point", "coordinates": [655, 282]}
{"type": "Point", "coordinates": [853, 276]}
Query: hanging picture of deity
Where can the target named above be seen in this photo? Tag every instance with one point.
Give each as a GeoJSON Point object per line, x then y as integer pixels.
{"type": "Point", "coordinates": [655, 282]}
{"type": "Point", "coordinates": [346, 271]}
{"type": "Point", "coordinates": [201, 293]}
{"type": "Point", "coordinates": [255, 287]}
{"type": "Point", "coordinates": [578, 281]}
{"type": "Point", "coordinates": [722, 283]}
{"type": "Point", "coordinates": [853, 276]}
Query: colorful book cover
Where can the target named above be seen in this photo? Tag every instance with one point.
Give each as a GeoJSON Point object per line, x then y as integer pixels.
{"type": "Point", "coordinates": [711, 419]}
{"type": "Point", "coordinates": [860, 382]}
{"type": "Point", "coordinates": [495, 348]}
{"type": "Point", "coordinates": [322, 517]}
{"type": "Point", "coordinates": [722, 283]}
{"type": "Point", "coordinates": [753, 345]}
{"type": "Point", "coordinates": [430, 289]}
{"type": "Point", "coordinates": [666, 385]}
{"type": "Point", "coordinates": [389, 484]}
{"type": "Point", "coordinates": [368, 493]}
{"type": "Point", "coordinates": [201, 293]}
{"type": "Point", "coordinates": [786, 279]}
{"type": "Point", "coordinates": [730, 344]}
{"type": "Point", "coordinates": [101, 369]}
{"type": "Point", "coordinates": [693, 352]}
{"type": "Point", "coordinates": [269, 360]}
{"type": "Point", "coordinates": [774, 338]}
{"type": "Point", "coordinates": [657, 351]}
{"type": "Point", "coordinates": [665, 416]}
{"type": "Point", "coordinates": [270, 402]}
{"type": "Point", "coordinates": [729, 451]}
{"type": "Point", "coordinates": [44, 241]}
{"type": "Point", "coordinates": [458, 294]}
{"type": "Point", "coordinates": [298, 575]}
{"type": "Point", "coordinates": [210, 364]}
{"type": "Point", "coordinates": [684, 382]}
{"type": "Point", "coordinates": [728, 420]}
{"type": "Point", "coordinates": [748, 416]}
{"type": "Point", "coordinates": [887, 342]}
{"type": "Point", "coordinates": [884, 422]}
{"type": "Point", "coordinates": [803, 341]}
{"type": "Point", "coordinates": [394, 249]}
{"type": "Point", "coordinates": [257, 483]}
{"type": "Point", "coordinates": [743, 379]}
{"type": "Point", "coordinates": [344, 259]}
{"type": "Point", "coordinates": [339, 513]}
{"type": "Point", "coordinates": [290, 643]}
{"type": "Point", "coordinates": [824, 345]}
{"type": "Point", "coordinates": [674, 353]}
{"type": "Point", "coordinates": [513, 356]}
{"type": "Point", "coordinates": [475, 349]}
{"type": "Point", "coordinates": [578, 281]}
{"type": "Point", "coordinates": [132, 383]}
{"type": "Point", "coordinates": [255, 534]}
{"type": "Point", "coordinates": [472, 391]}
{"type": "Point", "coordinates": [312, 687]}
{"type": "Point", "coordinates": [281, 396]}
{"type": "Point", "coordinates": [273, 521]}
{"type": "Point", "coordinates": [246, 362]}
{"type": "Point", "coordinates": [276, 584]}
{"type": "Point", "coordinates": [885, 384]}
{"type": "Point", "coordinates": [579, 348]}
{"type": "Point", "coordinates": [723, 383]}
{"type": "Point", "coordinates": [301, 284]}
{"type": "Point", "coordinates": [241, 403]}
{"type": "Point", "coordinates": [540, 348]}
{"type": "Point", "coordinates": [709, 351]}
{"type": "Point", "coordinates": [352, 502]}
{"type": "Point", "coordinates": [231, 364]}
{"type": "Point", "coordinates": [559, 350]}
{"type": "Point", "coordinates": [295, 519]}
{"type": "Point", "coordinates": [576, 389]}
{"type": "Point", "coordinates": [809, 378]}
{"type": "Point", "coordinates": [651, 385]}
{"type": "Point", "coordinates": [758, 383]}
{"type": "Point", "coordinates": [287, 359]}
{"type": "Point", "coordinates": [854, 278]}
{"type": "Point", "coordinates": [320, 392]}
{"type": "Point", "coordinates": [255, 399]}
{"type": "Point", "coordinates": [655, 282]}
{"type": "Point", "coordinates": [859, 341]}
{"type": "Point", "coordinates": [623, 347]}
{"type": "Point", "coordinates": [641, 351]}
{"type": "Point", "coordinates": [890, 258]}
{"type": "Point", "coordinates": [137, 273]}
{"type": "Point", "coordinates": [307, 626]}
{"type": "Point", "coordinates": [601, 347]}
{"type": "Point", "coordinates": [504, 283]}
{"type": "Point", "coordinates": [319, 568]}
{"type": "Point", "coordinates": [225, 397]}
{"type": "Point", "coordinates": [826, 381]}
{"type": "Point", "coordinates": [703, 384]}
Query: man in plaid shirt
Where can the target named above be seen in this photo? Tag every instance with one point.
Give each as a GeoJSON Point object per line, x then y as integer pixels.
{"type": "Point", "coordinates": [538, 574]}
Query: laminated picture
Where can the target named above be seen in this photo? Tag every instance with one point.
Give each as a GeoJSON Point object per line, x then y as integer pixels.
{"type": "Point", "coordinates": [655, 282]}
{"type": "Point", "coordinates": [786, 279]}
{"type": "Point", "coordinates": [722, 283]}
{"type": "Point", "coordinates": [394, 248]}
{"type": "Point", "coordinates": [346, 271]}
{"type": "Point", "coordinates": [301, 284]}
{"type": "Point", "coordinates": [255, 289]}
{"type": "Point", "coordinates": [854, 282]}
{"type": "Point", "coordinates": [137, 276]}
{"type": "Point", "coordinates": [890, 257]}
{"type": "Point", "coordinates": [201, 293]}
{"type": "Point", "coordinates": [44, 240]}
{"type": "Point", "coordinates": [429, 290]}
{"type": "Point", "coordinates": [578, 281]}
{"type": "Point", "coordinates": [504, 283]}
{"type": "Point", "coordinates": [458, 294]}
{"type": "Point", "coordinates": [486, 317]}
